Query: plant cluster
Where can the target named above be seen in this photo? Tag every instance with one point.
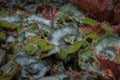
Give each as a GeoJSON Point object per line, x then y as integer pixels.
{"type": "Point", "coordinates": [59, 39]}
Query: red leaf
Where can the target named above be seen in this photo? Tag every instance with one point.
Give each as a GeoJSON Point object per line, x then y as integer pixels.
{"type": "Point", "coordinates": [116, 17]}
{"type": "Point", "coordinates": [93, 6]}
{"type": "Point", "coordinates": [3, 3]}
{"type": "Point", "coordinates": [74, 74]}
{"type": "Point", "coordinates": [103, 16]}
{"type": "Point", "coordinates": [101, 10]}
{"type": "Point", "coordinates": [117, 28]}
{"type": "Point", "coordinates": [39, 9]}
{"type": "Point", "coordinates": [95, 28]}
{"type": "Point", "coordinates": [107, 64]}
{"type": "Point", "coordinates": [108, 73]}
{"type": "Point", "coordinates": [54, 71]}
{"type": "Point", "coordinates": [49, 15]}
{"type": "Point", "coordinates": [47, 11]}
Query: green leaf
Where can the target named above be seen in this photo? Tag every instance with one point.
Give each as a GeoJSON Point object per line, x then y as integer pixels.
{"type": "Point", "coordinates": [93, 36]}
{"type": "Point", "coordinates": [2, 35]}
{"type": "Point", "coordinates": [5, 78]}
{"type": "Point", "coordinates": [3, 13]}
{"type": "Point", "coordinates": [64, 54]}
{"type": "Point", "coordinates": [9, 70]}
{"type": "Point", "coordinates": [75, 48]}
{"type": "Point", "coordinates": [9, 26]}
{"type": "Point", "coordinates": [2, 56]}
{"type": "Point", "coordinates": [107, 28]}
{"type": "Point", "coordinates": [43, 44]}
{"type": "Point", "coordinates": [30, 48]}
{"type": "Point", "coordinates": [89, 21]}
{"type": "Point", "coordinates": [33, 26]}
